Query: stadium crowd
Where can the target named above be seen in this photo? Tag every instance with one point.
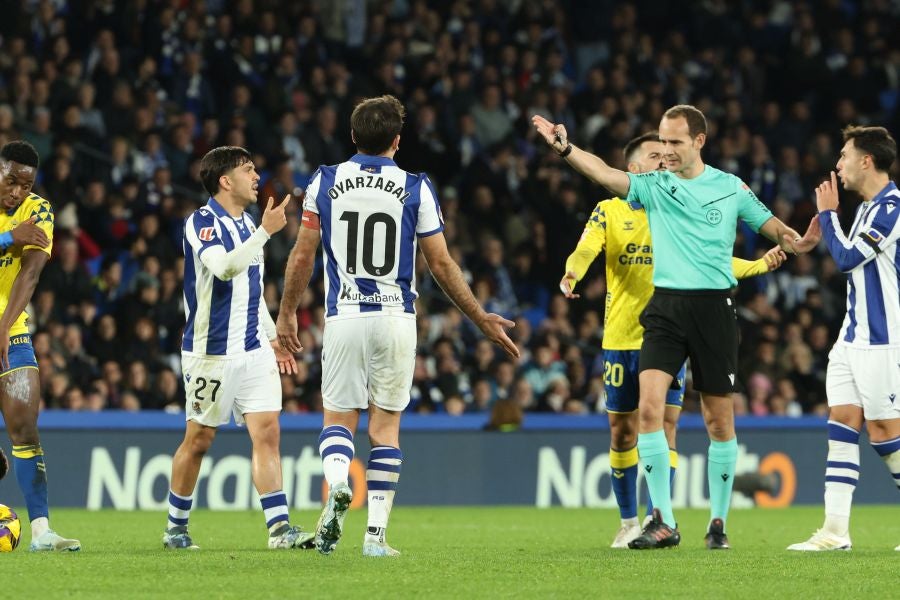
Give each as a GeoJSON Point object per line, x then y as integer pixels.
{"type": "Point", "coordinates": [122, 99]}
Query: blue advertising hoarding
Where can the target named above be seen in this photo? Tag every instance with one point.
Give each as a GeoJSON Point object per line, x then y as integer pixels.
{"type": "Point", "coordinates": [123, 461]}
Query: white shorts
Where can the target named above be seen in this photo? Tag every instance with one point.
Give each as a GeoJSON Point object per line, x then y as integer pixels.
{"type": "Point", "coordinates": [368, 360]}
{"type": "Point", "coordinates": [865, 377]}
{"type": "Point", "coordinates": [217, 387]}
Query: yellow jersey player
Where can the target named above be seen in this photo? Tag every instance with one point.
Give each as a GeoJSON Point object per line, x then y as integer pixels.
{"type": "Point", "coordinates": [20, 267]}
{"type": "Point", "coordinates": [622, 230]}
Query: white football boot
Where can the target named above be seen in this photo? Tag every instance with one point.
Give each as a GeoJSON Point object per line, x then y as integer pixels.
{"type": "Point", "coordinates": [291, 536]}
{"type": "Point", "coordinates": [822, 541]}
{"type": "Point", "coordinates": [629, 530]}
{"type": "Point", "coordinates": [50, 541]}
{"type": "Point", "coordinates": [374, 544]}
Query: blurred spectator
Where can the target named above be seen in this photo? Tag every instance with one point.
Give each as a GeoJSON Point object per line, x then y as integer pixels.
{"type": "Point", "coordinates": [66, 277]}
{"type": "Point", "coordinates": [506, 415]}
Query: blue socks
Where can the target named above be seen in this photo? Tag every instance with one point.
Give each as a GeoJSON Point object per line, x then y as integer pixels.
{"type": "Point", "coordinates": [624, 469]}
{"type": "Point", "coordinates": [31, 473]}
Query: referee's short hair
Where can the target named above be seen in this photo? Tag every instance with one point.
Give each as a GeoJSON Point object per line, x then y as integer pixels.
{"type": "Point", "coordinates": [375, 123]}
{"type": "Point", "coordinates": [693, 115]}
{"type": "Point", "coordinates": [874, 141]}
{"type": "Point", "coordinates": [635, 144]}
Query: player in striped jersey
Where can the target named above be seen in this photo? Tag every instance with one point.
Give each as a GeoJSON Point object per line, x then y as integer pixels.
{"type": "Point", "coordinates": [370, 215]}
{"type": "Point", "coordinates": [622, 230]}
{"type": "Point", "coordinates": [230, 356]}
{"type": "Point", "coordinates": [863, 379]}
{"type": "Point", "coordinates": [21, 264]}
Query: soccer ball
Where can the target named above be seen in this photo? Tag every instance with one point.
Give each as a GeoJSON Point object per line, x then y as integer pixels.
{"type": "Point", "coordinates": [10, 529]}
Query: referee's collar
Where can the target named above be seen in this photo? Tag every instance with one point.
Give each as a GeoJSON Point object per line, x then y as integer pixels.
{"type": "Point", "coordinates": [371, 159]}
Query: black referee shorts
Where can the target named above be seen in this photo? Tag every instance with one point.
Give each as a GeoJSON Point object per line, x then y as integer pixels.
{"type": "Point", "coordinates": [696, 324]}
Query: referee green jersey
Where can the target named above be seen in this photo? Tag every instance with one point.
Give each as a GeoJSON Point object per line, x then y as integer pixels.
{"type": "Point", "coordinates": [693, 223]}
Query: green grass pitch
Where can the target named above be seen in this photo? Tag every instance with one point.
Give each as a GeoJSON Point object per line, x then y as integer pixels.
{"type": "Point", "coordinates": [461, 553]}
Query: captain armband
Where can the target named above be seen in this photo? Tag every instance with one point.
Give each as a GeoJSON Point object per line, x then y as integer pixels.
{"type": "Point", "coordinates": [873, 238]}
{"type": "Point", "coordinates": [310, 220]}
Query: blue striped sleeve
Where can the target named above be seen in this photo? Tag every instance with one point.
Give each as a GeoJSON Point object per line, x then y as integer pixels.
{"type": "Point", "coordinates": [847, 254]}
{"type": "Point", "coordinates": [200, 231]}
{"type": "Point", "coordinates": [312, 192]}
{"type": "Point", "coordinates": [430, 219]}
{"type": "Point", "coordinates": [883, 230]}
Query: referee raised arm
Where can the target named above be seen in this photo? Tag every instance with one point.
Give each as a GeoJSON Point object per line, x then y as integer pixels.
{"type": "Point", "coordinates": [693, 210]}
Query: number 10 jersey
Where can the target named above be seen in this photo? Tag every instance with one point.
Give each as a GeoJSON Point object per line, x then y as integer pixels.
{"type": "Point", "coordinates": [371, 213]}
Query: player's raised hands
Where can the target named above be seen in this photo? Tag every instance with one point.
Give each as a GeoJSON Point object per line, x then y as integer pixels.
{"type": "Point", "coordinates": [27, 233]}
{"type": "Point", "coordinates": [274, 219]}
{"type": "Point", "coordinates": [827, 194]}
{"type": "Point", "coordinates": [792, 242]}
{"type": "Point", "coordinates": [775, 258]}
{"type": "Point", "coordinates": [567, 284]}
{"type": "Point", "coordinates": [286, 329]}
{"type": "Point", "coordinates": [555, 135]}
{"type": "Point", "coordinates": [494, 328]}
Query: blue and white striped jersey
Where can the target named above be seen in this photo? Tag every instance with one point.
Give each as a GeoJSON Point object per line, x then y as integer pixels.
{"type": "Point", "coordinates": [871, 258]}
{"type": "Point", "coordinates": [223, 298]}
{"type": "Point", "coordinates": [371, 213]}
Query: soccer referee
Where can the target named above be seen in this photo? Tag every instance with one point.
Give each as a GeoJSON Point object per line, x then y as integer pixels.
{"type": "Point", "coordinates": [693, 211]}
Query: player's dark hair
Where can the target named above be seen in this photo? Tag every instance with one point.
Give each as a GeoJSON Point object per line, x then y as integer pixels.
{"type": "Point", "coordinates": [21, 152]}
{"type": "Point", "coordinates": [635, 144]}
{"type": "Point", "coordinates": [874, 141]}
{"type": "Point", "coordinates": [375, 123]}
{"type": "Point", "coordinates": [219, 161]}
{"type": "Point", "coordinates": [695, 120]}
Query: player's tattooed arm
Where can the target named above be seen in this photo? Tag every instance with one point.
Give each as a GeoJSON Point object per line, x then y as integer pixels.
{"type": "Point", "coordinates": [296, 278]}
{"type": "Point", "coordinates": [449, 276]}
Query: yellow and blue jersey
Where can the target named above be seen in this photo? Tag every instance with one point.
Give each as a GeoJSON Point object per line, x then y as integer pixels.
{"type": "Point", "coordinates": [11, 259]}
{"type": "Point", "coordinates": [622, 230]}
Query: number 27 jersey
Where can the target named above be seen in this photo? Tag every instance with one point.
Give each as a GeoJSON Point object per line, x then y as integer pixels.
{"type": "Point", "coordinates": [371, 214]}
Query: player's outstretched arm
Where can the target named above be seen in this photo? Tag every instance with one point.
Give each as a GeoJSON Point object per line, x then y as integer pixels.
{"type": "Point", "coordinates": [299, 270]}
{"type": "Point", "coordinates": [33, 262]}
{"type": "Point", "coordinates": [448, 275]}
{"type": "Point", "coordinates": [591, 166]}
{"type": "Point", "coordinates": [769, 262]}
{"type": "Point", "coordinates": [789, 240]}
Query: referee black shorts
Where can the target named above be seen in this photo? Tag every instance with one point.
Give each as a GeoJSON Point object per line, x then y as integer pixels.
{"type": "Point", "coordinates": [696, 324]}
